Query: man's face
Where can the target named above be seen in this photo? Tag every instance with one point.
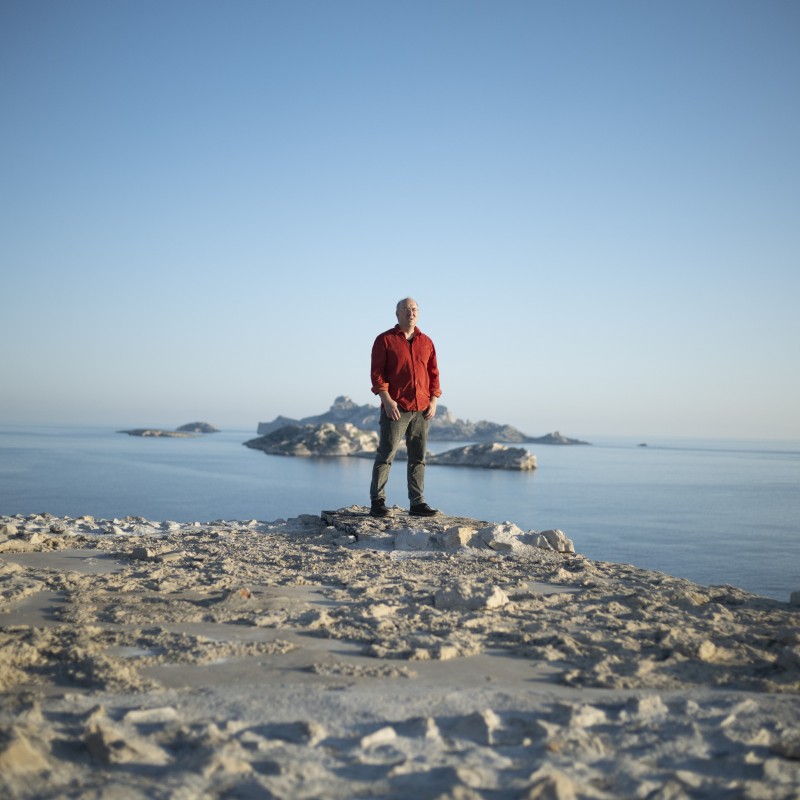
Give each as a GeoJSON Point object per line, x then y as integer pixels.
{"type": "Point", "coordinates": [407, 314]}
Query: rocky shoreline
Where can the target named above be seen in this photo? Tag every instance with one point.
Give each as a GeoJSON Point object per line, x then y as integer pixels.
{"type": "Point", "coordinates": [337, 655]}
{"type": "Point", "coordinates": [159, 432]}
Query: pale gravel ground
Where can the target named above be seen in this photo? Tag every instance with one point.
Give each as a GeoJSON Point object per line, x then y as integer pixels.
{"type": "Point", "coordinates": [292, 659]}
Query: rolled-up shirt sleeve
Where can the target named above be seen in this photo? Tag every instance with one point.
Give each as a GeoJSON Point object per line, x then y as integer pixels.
{"type": "Point", "coordinates": [378, 366]}
{"type": "Point", "coordinates": [433, 375]}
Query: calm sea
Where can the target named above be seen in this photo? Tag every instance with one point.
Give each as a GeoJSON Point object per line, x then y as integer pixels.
{"type": "Point", "coordinates": [712, 511]}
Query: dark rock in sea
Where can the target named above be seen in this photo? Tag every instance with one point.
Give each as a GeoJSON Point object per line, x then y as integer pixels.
{"type": "Point", "coordinates": [158, 432]}
{"type": "Point", "coordinates": [555, 438]}
{"type": "Point", "coordinates": [198, 427]}
{"type": "Point", "coordinates": [444, 427]}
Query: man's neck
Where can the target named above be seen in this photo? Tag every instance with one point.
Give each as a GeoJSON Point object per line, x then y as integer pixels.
{"type": "Point", "coordinates": [409, 333]}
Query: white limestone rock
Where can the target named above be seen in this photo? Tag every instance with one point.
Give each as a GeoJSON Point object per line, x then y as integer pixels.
{"type": "Point", "coordinates": [466, 595]}
{"type": "Point", "coordinates": [556, 540]}
{"type": "Point", "coordinates": [383, 736]}
{"type": "Point", "coordinates": [486, 456]}
{"type": "Point", "coordinates": [502, 538]}
{"type": "Point", "coordinates": [113, 744]}
{"type": "Point", "coordinates": [586, 716]}
{"type": "Point", "coordinates": [410, 539]}
{"type": "Point", "coordinates": [326, 439]}
{"type": "Point", "coordinates": [445, 426]}
{"type": "Point", "coordinates": [455, 537]}
{"type": "Point", "coordinates": [380, 611]}
{"type": "Point", "coordinates": [649, 708]}
{"type": "Point", "coordinates": [8, 531]}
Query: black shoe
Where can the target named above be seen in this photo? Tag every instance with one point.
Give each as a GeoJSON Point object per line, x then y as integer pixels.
{"type": "Point", "coordinates": [378, 508]}
{"type": "Point", "coordinates": [422, 510]}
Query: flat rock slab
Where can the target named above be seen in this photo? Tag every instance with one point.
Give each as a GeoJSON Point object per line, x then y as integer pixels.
{"type": "Point", "coordinates": [356, 520]}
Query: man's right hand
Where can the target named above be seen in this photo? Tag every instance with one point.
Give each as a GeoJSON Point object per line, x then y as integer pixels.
{"type": "Point", "coordinates": [390, 407]}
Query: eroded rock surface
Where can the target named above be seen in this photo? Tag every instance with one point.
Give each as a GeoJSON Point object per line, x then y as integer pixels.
{"type": "Point", "coordinates": [326, 439]}
{"type": "Point", "coordinates": [486, 456]}
{"type": "Point", "coordinates": [344, 439]}
{"type": "Point", "coordinates": [445, 426]}
{"type": "Point", "coordinates": [300, 658]}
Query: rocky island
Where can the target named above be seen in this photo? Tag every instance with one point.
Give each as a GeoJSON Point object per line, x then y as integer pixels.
{"type": "Point", "coordinates": [444, 427]}
{"type": "Point", "coordinates": [486, 456]}
{"type": "Point", "coordinates": [198, 427]}
{"type": "Point", "coordinates": [345, 439]}
{"type": "Point", "coordinates": [159, 432]}
{"type": "Point", "coordinates": [326, 439]}
{"type": "Point", "coordinates": [184, 432]}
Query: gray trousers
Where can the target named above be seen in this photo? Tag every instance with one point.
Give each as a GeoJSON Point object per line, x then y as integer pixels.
{"type": "Point", "coordinates": [414, 427]}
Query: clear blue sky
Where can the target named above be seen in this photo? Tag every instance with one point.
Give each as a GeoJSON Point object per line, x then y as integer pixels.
{"type": "Point", "coordinates": [209, 209]}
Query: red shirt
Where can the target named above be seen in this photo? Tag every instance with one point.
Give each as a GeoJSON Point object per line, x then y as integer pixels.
{"type": "Point", "coordinates": [406, 368]}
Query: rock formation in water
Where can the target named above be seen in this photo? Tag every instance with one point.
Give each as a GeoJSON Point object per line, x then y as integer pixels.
{"type": "Point", "coordinates": [198, 427]}
{"type": "Point", "coordinates": [486, 456]}
{"type": "Point", "coordinates": [445, 426]}
{"type": "Point", "coordinates": [184, 432]}
{"type": "Point", "coordinates": [159, 432]}
{"type": "Point", "coordinates": [326, 439]}
{"type": "Point", "coordinates": [555, 438]}
{"type": "Point", "coordinates": [345, 439]}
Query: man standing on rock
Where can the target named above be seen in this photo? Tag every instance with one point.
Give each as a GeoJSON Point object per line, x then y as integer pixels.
{"type": "Point", "coordinates": [406, 378]}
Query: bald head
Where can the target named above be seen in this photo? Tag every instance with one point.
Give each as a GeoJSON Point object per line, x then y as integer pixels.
{"type": "Point", "coordinates": [405, 301]}
{"type": "Point", "coordinates": [407, 312]}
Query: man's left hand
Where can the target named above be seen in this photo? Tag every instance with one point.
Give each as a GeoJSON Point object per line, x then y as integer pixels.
{"type": "Point", "coordinates": [430, 411]}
